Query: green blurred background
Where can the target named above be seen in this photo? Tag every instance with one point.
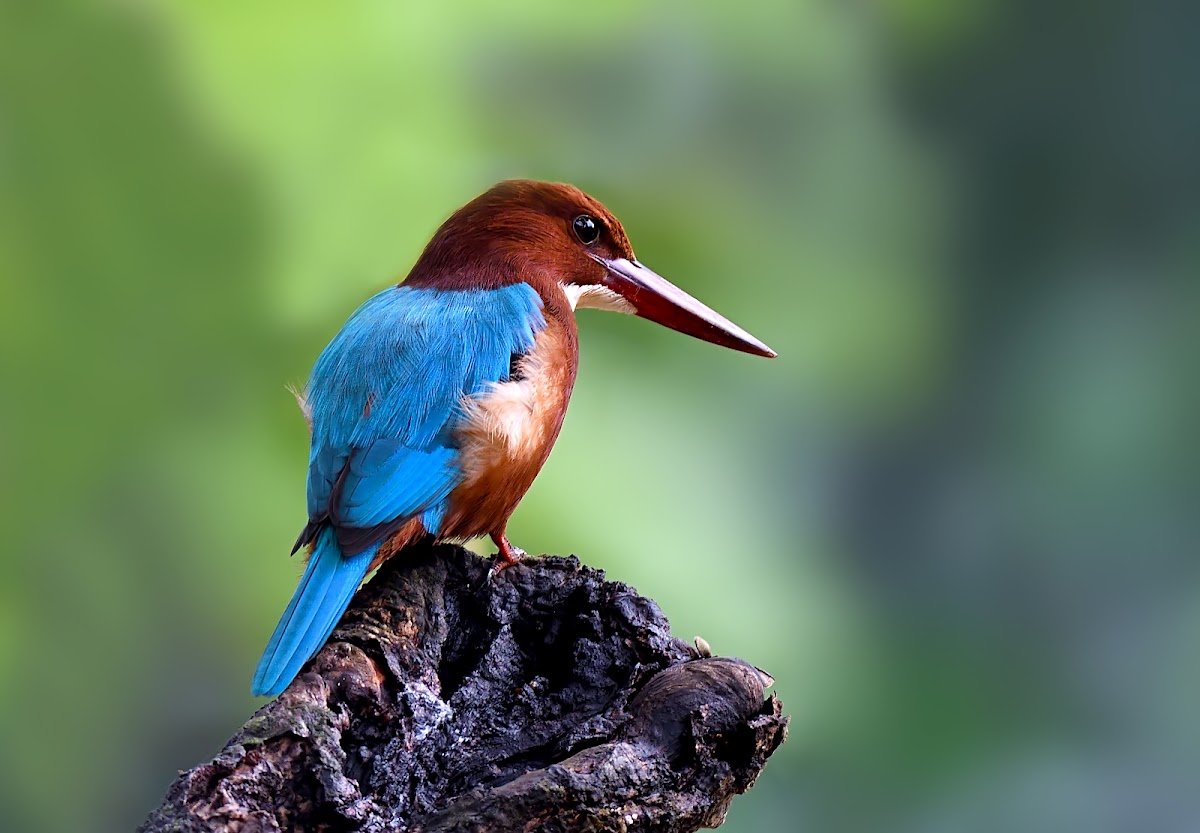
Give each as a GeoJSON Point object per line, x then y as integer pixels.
{"type": "Point", "coordinates": [957, 518]}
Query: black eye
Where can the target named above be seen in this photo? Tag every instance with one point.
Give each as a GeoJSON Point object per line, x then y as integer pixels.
{"type": "Point", "coordinates": [586, 229]}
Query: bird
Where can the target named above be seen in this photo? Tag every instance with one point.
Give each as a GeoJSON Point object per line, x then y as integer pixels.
{"type": "Point", "coordinates": [434, 407]}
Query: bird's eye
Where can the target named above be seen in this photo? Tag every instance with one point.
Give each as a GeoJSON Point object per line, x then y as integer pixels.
{"type": "Point", "coordinates": [586, 229]}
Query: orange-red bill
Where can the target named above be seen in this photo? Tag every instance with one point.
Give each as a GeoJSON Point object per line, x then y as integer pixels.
{"type": "Point", "coordinates": [656, 299]}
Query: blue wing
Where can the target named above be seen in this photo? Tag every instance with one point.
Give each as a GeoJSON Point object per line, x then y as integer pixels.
{"type": "Point", "coordinates": [385, 396]}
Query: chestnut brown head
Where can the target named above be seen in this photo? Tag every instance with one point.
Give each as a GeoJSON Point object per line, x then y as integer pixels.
{"type": "Point", "coordinates": [565, 244]}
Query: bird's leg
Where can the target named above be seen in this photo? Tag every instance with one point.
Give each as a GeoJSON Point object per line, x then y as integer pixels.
{"type": "Point", "coordinates": [507, 554]}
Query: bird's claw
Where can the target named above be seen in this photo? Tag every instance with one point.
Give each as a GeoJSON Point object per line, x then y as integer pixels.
{"type": "Point", "coordinates": [505, 558]}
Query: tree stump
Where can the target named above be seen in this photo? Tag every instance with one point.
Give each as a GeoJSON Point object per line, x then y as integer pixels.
{"type": "Point", "coordinates": [545, 699]}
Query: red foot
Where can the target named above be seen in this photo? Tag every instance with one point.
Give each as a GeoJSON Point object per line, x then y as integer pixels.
{"type": "Point", "coordinates": [507, 556]}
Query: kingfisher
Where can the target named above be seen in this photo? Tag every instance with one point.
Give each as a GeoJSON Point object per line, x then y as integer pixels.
{"type": "Point", "coordinates": [434, 407]}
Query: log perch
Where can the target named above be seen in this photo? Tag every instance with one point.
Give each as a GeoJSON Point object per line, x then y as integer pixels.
{"type": "Point", "coordinates": [546, 699]}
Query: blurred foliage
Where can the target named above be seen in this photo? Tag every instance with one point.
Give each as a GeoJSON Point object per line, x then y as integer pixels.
{"type": "Point", "coordinates": [956, 519]}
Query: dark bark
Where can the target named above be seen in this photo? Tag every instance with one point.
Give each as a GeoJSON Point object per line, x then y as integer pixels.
{"type": "Point", "coordinates": [545, 699]}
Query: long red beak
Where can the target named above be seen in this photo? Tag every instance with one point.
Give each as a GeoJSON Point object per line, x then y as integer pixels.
{"type": "Point", "coordinates": [656, 299]}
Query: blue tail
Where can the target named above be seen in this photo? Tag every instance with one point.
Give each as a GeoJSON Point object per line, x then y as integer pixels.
{"type": "Point", "coordinates": [323, 595]}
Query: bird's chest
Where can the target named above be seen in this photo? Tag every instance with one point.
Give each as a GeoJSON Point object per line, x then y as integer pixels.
{"type": "Point", "coordinates": [508, 430]}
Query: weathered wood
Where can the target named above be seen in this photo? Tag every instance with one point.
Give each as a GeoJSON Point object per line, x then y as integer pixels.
{"type": "Point", "coordinates": [545, 699]}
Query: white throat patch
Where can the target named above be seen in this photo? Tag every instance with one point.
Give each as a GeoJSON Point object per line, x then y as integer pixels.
{"type": "Point", "coordinates": [594, 296]}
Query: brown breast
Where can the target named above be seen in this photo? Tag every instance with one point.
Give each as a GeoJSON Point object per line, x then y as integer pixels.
{"type": "Point", "coordinates": [509, 430]}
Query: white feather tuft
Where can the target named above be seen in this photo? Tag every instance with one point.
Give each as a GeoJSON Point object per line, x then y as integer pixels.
{"type": "Point", "coordinates": [594, 296]}
{"type": "Point", "coordinates": [305, 408]}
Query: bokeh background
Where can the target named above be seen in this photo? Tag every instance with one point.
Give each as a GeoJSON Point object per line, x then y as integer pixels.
{"type": "Point", "coordinates": [957, 518]}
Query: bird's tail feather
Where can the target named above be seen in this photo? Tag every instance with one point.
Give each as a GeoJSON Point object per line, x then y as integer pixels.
{"type": "Point", "coordinates": [324, 593]}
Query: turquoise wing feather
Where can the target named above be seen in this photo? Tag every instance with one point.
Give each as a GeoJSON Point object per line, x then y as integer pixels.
{"type": "Point", "coordinates": [385, 397]}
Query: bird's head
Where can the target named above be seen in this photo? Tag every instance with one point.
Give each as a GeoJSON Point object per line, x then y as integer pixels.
{"type": "Point", "coordinates": [566, 245]}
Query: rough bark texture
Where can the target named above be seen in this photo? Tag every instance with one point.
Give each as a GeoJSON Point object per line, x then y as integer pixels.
{"type": "Point", "coordinates": [545, 699]}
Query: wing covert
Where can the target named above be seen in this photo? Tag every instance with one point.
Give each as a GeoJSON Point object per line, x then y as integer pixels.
{"type": "Point", "coordinates": [386, 395]}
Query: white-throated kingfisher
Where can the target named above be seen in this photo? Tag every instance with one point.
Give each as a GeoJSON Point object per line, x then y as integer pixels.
{"type": "Point", "coordinates": [435, 406]}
